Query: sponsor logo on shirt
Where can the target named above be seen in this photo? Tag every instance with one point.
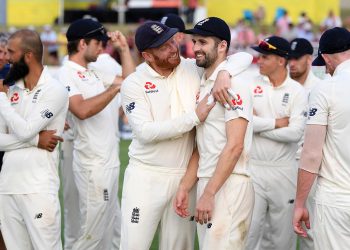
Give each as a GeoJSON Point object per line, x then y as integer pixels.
{"type": "Point", "coordinates": [312, 111]}
{"type": "Point", "coordinates": [46, 114]}
{"type": "Point", "coordinates": [135, 215]}
{"type": "Point", "coordinates": [150, 88]}
{"type": "Point", "coordinates": [258, 91]}
{"type": "Point", "coordinates": [35, 97]}
{"type": "Point", "coordinates": [14, 98]}
{"type": "Point", "coordinates": [237, 103]}
{"type": "Point", "coordinates": [130, 107]}
{"type": "Point", "coordinates": [82, 76]}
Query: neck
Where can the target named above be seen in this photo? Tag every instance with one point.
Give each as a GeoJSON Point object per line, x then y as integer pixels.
{"type": "Point", "coordinates": [78, 59]}
{"type": "Point", "coordinates": [31, 80]}
{"type": "Point", "coordinates": [302, 78]}
{"type": "Point", "coordinates": [161, 71]}
{"type": "Point", "coordinates": [210, 70]}
{"type": "Point", "coordinates": [278, 77]}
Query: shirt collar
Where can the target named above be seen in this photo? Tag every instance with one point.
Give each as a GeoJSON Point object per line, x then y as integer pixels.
{"type": "Point", "coordinates": [75, 66]}
{"type": "Point", "coordinates": [344, 66]}
{"type": "Point", "coordinates": [42, 79]}
{"type": "Point", "coordinates": [155, 74]}
{"type": "Point", "coordinates": [214, 75]}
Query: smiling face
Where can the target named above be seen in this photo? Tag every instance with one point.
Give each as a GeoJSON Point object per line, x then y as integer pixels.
{"type": "Point", "coordinates": [205, 50]}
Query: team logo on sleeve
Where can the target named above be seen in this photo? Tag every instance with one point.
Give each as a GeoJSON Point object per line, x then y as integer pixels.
{"type": "Point", "coordinates": [237, 103]}
{"type": "Point", "coordinates": [14, 98]}
{"type": "Point", "coordinates": [130, 107]}
{"type": "Point", "coordinates": [258, 91]}
{"type": "Point", "coordinates": [150, 88]}
{"type": "Point", "coordinates": [82, 76]}
{"type": "Point", "coordinates": [68, 88]}
{"type": "Point", "coordinates": [312, 111]}
{"type": "Point", "coordinates": [46, 114]}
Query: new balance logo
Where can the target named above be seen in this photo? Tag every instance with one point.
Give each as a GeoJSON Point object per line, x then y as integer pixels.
{"type": "Point", "coordinates": [38, 216]}
{"type": "Point", "coordinates": [135, 215]}
{"type": "Point", "coordinates": [312, 111]}
{"type": "Point", "coordinates": [46, 113]}
{"type": "Point", "coordinates": [130, 107]}
{"type": "Point", "coordinates": [157, 28]}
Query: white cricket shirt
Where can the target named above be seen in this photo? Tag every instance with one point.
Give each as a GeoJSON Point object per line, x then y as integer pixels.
{"type": "Point", "coordinates": [26, 113]}
{"type": "Point", "coordinates": [95, 143]}
{"type": "Point", "coordinates": [277, 146]}
{"type": "Point", "coordinates": [211, 134]}
{"type": "Point", "coordinates": [330, 106]}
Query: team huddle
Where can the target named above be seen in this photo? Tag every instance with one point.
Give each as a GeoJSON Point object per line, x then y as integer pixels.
{"type": "Point", "coordinates": [243, 161]}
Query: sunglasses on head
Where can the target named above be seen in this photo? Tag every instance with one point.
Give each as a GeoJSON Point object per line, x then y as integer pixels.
{"type": "Point", "coordinates": [267, 46]}
{"type": "Point", "coordinates": [102, 29]}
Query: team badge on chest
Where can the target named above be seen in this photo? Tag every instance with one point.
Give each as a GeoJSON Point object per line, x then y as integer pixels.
{"type": "Point", "coordinates": [14, 98]}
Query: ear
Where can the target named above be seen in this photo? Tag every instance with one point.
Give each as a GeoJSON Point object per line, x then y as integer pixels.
{"type": "Point", "coordinates": [147, 56]}
{"type": "Point", "coordinates": [28, 57]}
{"type": "Point", "coordinates": [82, 44]}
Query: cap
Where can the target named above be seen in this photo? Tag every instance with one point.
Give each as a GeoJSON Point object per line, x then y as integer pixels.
{"type": "Point", "coordinates": [152, 34]}
{"type": "Point", "coordinates": [300, 47]}
{"type": "Point", "coordinates": [212, 26]}
{"type": "Point", "coordinates": [86, 28]}
{"type": "Point", "coordinates": [332, 41]}
{"type": "Point", "coordinates": [273, 45]}
{"type": "Point", "coordinates": [173, 21]}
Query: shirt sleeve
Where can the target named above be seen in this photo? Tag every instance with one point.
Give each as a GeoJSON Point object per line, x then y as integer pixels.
{"type": "Point", "coordinates": [238, 62]}
{"type": "Point", "coordinates": [144, 127]}
{"type": "Point", "coordinates": [295, 129]}
{"type": "Point", "coordinates": [261, 124]}
{"type": "Point", "coordinates": [69, 82]}
{"type": "Point", "coordinates": [243, 106]}
{"type": "Point", "coordinates": [50, 105]}
{"type": "Point", "coordinates": [319, 104]}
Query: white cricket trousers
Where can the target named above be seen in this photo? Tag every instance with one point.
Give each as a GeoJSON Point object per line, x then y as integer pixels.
{"type": "Point", "coordinates": [275, 190]}
{"type": "Point", "coordinates": [98, 202]}
{"type": "Point", "coordinates": [31, 221]}
{"type": "Point", "coordinates": [232, 214]}
{"type": "Point", "coordinates": [331, 225]}
{"type": "Point", "coordinates": [71, 215]}
{"type": "Point", "coordinates": [148, 194]}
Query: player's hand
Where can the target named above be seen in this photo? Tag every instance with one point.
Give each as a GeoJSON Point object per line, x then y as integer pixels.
{"type": "Point", "coordinates": [48, 140]}
{"type": "Point", "coordinates": [204, 208]}
{"type": "Point", "coordinates": [301, 216]}
{"type": "Point", "coordinates": [221, 86]}
{"type": "Point", "coordinates": [118, 40]}
{"type": "Point", "coordinates": [203, 108]}
{"type": "Point", "coordinates": [117, 83]}
{"type": "Point", "coordinates": [3, 88]}
{"type": "Point", "coordinates": [181, 202]}
{"type": "Point", "coordinates": [66, 126]}
{"type": "Point", "coordinates": [282, 122]}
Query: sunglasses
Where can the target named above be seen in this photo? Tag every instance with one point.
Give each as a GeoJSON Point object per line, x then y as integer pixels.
{"type": "Point", "coordinates": [267, 46]}
{"type": "Point", "coordinates": [102, 29]}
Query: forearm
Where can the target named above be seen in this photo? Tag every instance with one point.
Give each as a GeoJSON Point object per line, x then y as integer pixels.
{"type": "Point", "coordinates": [93, 105]}
{"type": "Point", "coordinates": [190, 178]}
{"type": "Point", "coordinates": [286, 134]}
{"type": "Point", "coordinates": [305, 181]}
{"type": "Point", "coordinates": [10, 142]}
{"type": "Point", "coordinates": [128, 65]}
{"type": "Point", "coordinates": [261, 124]}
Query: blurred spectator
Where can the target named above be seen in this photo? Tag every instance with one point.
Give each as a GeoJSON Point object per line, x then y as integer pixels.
{"type": "Point", "coordinates": [49, 40]}
{"type": "Point", "coordinates": [245, 36]}
{"type": "Point", "coordinates": [346, 24]}
{"type": "Point", "coordinates": [331, 21]}
{"type": "Point", "coordinates": [4, 57]}
{"type": "Point", "coordinates": [62, 43]}
{"type": "Point", "coordinates": [259, 15]}
{"type": "Point", "coordinates": [283, 24]}
{"type": "Point", "coordinates": [191, 8]}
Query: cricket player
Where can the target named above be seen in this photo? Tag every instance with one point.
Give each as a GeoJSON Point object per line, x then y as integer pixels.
{"type": "Point", "coordinates": [225, 194]}
{"type": "Point", "coordinates": [299, 63]}
{"type": "Point", "coordinates": [326, 148]}
{"type": "Point", "coordinates": [280, 105]}
{"type": "Point", "coordinates": [29, 182]}
{"type": "Point", "coordinates": [159, 100]}
{"type": "Point", "coordinates": [95, 154]}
